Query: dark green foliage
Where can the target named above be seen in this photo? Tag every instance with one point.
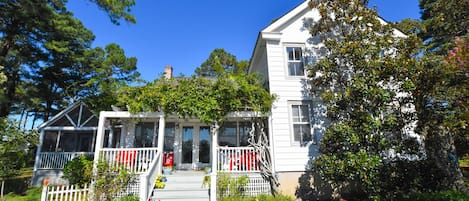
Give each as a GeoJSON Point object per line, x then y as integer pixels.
{"type": "Point", "coordinates": [117, 9]}
{"type": "Point", "coordinates": [46, 56]}
{"type": "Point", "coordinates": [14, 146]}
{"type": "Point", "coordinates": [33, 194]}
{"type": "Point", "coordinates": [109, 181]}
{"type": "Point", "coordinates": [231, 187]}
{"type": "Point", "coordinates": [128, 198]}
{"type": "Point", "coordinates": [206, 99]}
{"type": "Point", "coordinates": [364, 80]}
{"type": "Point", "coordinates": [438, 196]}
{"type": "Point", "coordinates": [79, 171]}
{"type": "Point", "coordinates": [442, 21]}
{"type": "Point", "coordinates": [220, 63]}
{"type": "Point", "coordinates": [278, 197]}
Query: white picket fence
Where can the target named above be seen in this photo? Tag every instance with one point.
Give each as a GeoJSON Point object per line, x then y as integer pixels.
{"type": "Point", "coordinates": [65, 193]}
{"type": "Point", "coordinates": [58, 160]}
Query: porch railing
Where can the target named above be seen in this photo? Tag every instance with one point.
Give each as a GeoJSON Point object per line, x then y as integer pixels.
{"type": "Point", "coordinates": [57, 160]}
{"type": "Point", "coordinates": [238, 159]}
{"type": "Point", "coordinates": [135, 160]}
{"type": "Point", "coordinates": [147, 180]}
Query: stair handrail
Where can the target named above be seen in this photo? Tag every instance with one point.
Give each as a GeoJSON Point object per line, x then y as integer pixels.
{"type": "Point", "coordinates": [147, 179]}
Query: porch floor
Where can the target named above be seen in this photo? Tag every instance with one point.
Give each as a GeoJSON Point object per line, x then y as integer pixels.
{"type": "Point", "coordinates": [183, 185]}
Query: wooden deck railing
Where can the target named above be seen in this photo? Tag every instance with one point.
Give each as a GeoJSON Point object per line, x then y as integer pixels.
{"type": "Point", "coordinates": [238, 159]}
{"type": "Point", "coordinates": [136, 160]}
{"type": "Point", "coordinates": [57, 160]}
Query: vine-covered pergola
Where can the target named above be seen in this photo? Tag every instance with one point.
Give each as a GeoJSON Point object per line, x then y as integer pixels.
{"type": "Point", "coordinates": [211, 100]}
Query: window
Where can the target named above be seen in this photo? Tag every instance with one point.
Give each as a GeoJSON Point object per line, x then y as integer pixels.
{"type": "Point", "coordinates": [169, 132]}
{"type": "Point", "coordinates": [301, 122]}
{"type": "Point", "coordinates": [144, 135]}
{"type": "Point", "coordinates": [234, 134]}
{"type": "Point", "coordinates": [295, 61]}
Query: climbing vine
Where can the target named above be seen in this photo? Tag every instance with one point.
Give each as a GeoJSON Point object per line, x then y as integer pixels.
{"type": "Point", "coordinates": [210, 100]}
{"type": "Point", "coordinates": [207, 99]}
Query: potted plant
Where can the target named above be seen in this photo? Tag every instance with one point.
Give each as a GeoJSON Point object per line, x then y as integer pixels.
{"type": "Point", "coordinates": [167, 170]}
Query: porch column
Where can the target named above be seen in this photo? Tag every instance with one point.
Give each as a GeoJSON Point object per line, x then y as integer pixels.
{"type": "Point", "coordinates": [38, 153]}
{"type": "Point", "coordinates": [213, 175]}
{"type": "Point", "coordinates": [160, 143]}
{"type": "Point", "coordinates": [99, 138]}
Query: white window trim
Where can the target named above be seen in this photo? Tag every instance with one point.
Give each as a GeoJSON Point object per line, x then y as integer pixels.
{"type": "Point", "coordinates": [291, 122]}
{"type": "Point", "coordinates": [287, 70]}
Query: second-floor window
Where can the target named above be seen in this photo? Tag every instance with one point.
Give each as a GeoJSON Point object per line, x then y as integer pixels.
{"type": "Point", "coordinates": [295, 61]}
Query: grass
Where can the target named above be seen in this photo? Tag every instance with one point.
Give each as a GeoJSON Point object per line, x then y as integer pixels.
{"type": "Point", "coordinates": [33, 194]}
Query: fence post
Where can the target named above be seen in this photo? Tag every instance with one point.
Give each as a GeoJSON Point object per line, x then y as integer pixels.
{"type": "Point", "coordinates": [44, 193]}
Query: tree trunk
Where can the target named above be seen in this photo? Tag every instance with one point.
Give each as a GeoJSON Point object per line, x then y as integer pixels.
{"type": "Point", "coordinates": [445, 171]}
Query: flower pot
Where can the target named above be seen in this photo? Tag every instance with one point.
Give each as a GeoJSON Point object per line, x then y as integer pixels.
{"type": "Point", "coordinates": [167, 171]}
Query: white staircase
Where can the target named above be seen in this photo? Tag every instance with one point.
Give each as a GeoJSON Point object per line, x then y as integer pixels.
{"type": "Point", "coordinates": [183, 186]}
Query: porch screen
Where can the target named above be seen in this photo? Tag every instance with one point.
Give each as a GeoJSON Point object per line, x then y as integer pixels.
{"type": "Point", "coordinates": [145, 135]}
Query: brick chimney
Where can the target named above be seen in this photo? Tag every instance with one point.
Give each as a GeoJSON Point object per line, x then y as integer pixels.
{"type": "Point", "coordinates": [168, 72]}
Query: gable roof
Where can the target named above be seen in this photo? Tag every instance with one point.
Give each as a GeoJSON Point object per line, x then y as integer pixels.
{"type": "Point", "coordinates": [290, 15]}
{"type": "Point", "coordinates": [76, 115]}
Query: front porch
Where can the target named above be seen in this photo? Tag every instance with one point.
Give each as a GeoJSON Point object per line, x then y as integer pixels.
{"type": "Point", "coordinates": [141, 139]}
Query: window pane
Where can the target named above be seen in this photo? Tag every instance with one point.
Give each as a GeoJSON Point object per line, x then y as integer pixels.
{"type": "Point", "coordinates": [169, 132]}
{"type": "Point", "coordinates": [204, 144]}
{"type": "Point", "coordinates": [290, 51]}
{"type": "Point", "coordinates": [297, 54]}
{"type": "Point", "coordinates": [301, 133]}
{"type": "Point", "coordinates": [296, 68]}
{"type": "Point", "coordinates": [244, 129]}
{"type": "Point", "coordinates": [296, 132]}
{"type": "Point", "coordinates": [144, 134]}
{"type": "Point", "coordinates": [228, 135]}
{"type": "Point", "coordinates": [304, 113]}
{"type": "Point", "coordinates": [295, 113]}
{"type": "Point", "coordinates": [305, 133]}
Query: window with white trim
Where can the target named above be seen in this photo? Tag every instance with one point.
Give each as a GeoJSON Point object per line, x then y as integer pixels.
{"type": "Point", "coordinates": [295, 61]}
{"type": "Point", "coordinates": [301, 122]}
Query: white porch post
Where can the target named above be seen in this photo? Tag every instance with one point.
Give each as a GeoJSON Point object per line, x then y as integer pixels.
{"type": "Point", "coordinates": [99, 139]}
{"type": "Point", "coordinates": [38, 152]}
{"type": "Point", "coordinates": [213, 175]}
{"type": "Point", "coordinates": [160, 142]}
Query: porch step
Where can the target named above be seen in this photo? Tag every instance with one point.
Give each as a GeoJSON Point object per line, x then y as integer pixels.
{"type": "Point", "coordinates": [182, 185]}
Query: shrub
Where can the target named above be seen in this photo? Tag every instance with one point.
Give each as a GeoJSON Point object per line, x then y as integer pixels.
{"type": "Point", "coordinates": [79, 171]}
{"type": "Point", "coordinates": [128, 198]}
{"type": "Point", "coordinates": [228, 186]}
{"type": "Point", "coordinates": [278, 197]}
{"type": "Point", "coordinates": [439, 196]}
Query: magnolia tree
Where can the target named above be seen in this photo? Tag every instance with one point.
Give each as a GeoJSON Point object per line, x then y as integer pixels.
{"type": "Point", "coordinates": [210, 100]}
{"type": "Point", "coordinates": [365, 80]}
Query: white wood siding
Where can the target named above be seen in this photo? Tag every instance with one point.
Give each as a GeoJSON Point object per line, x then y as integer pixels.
{"type": "Point", "coordinates": [289, 156]}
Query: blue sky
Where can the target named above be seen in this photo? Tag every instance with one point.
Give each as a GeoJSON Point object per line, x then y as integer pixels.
{"type": "Point", "coordinates": [183, 33]}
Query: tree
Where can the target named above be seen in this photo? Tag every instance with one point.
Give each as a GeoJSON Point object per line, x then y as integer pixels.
{"type": "Point", "coordinates": [14, 145]}
{"type": "Point", "coordinates": [364, 79]}
{"type": "Point", "coordinates": [442, 21]}
{"type": "Point", "coordinates": [40, 42]}
{"type": "Point", "coordinates": [221, 62]}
